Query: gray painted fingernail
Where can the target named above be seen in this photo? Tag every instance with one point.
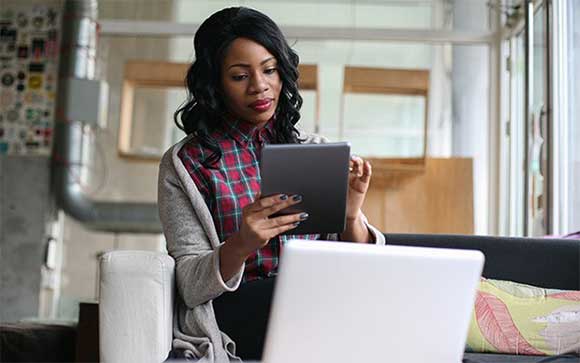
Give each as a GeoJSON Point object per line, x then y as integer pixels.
{"type": "Point", "coordinates": [283, 197]}
{"type": "Point", "coordinates": [297, 198]}
{"type": "Point", "coordinates": [296, 224]}
{"type": "Point", "coordinates": [303, 216]}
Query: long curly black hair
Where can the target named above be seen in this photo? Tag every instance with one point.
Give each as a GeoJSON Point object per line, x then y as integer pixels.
{"type": "Point", "coordinates": [205, 110]}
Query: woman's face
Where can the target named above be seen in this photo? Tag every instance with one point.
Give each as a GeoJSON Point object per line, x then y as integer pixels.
{"type": "Point", "coordinates": [250, 81]}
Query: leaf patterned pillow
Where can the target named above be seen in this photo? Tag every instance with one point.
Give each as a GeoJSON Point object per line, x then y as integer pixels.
{"type": "Point", "coordinates": [514, 318]}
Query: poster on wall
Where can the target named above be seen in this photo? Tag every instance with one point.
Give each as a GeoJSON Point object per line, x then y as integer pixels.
{"type": "Point", "coordinates": [29, 52]}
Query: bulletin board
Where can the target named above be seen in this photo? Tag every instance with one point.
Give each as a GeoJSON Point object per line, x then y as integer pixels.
{"type": "Point", "coordinates": [29, 52]}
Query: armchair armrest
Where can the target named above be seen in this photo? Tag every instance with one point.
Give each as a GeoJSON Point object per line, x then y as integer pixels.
{"type": "Point", "coordinates": [135, 306]}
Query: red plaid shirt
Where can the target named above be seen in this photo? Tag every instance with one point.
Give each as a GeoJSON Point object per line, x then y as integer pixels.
{"type": "Point", "coordinates": [231, 186]}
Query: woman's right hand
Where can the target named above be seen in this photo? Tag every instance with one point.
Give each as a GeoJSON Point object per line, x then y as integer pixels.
{"type": "Point", "coordinates": [257, 228]}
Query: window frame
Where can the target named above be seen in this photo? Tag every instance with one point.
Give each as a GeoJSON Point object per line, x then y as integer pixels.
{"type": "Point", "coordinates": [389, 81]}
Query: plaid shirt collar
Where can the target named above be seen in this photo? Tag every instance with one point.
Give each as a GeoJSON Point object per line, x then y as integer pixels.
{"type": "Point", "coordinates": [244, 132]}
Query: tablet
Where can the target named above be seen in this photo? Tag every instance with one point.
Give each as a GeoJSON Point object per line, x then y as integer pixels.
{"type": "Point", "coordinates": [319, 173]}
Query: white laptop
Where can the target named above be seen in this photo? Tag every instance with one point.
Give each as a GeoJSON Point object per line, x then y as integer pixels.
{"type": "Point", "coordinates": [346, 302]}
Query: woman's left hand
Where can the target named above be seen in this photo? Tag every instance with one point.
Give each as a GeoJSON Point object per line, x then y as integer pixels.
{"type": "Point", "coordinates": [359, 179]}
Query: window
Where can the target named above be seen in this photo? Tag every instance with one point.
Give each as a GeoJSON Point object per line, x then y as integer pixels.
{"type": "Point", "coordinates": [385, 111]}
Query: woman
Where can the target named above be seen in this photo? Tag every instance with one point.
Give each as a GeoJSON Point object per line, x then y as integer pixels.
{"type": "Point", "coordinates": [242, 93]}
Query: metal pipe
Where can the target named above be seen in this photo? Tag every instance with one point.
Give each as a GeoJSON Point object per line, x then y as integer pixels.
{"type": "Point", "coordinates": [78, 60]}
{"type": "Point", "coordinates": [79, 39]}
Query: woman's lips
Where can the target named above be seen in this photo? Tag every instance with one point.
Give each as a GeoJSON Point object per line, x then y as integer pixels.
{"type": "Point", "coordinates": [261, 105]}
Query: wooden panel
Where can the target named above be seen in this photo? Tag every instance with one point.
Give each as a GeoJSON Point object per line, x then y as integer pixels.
{"type": "Point", "coordinates": [386, 81]}
{"type": "Point", "coordinates": [308, 78]}
{"type": "Point", "coordinates": [151, 73]}
{"type": "Point", "coordinates": [437, 200]}
{"type": "Point", "coordinates": [384, 167]}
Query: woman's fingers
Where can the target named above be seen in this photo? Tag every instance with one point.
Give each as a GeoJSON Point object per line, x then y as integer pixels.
{"type": "Point", "coordinates": [257, 228]}
{"type": "Point", "coordinates": [281, 229]}
{"type": "Point", "coordinates": [280, 205]}
{"type": "Point", "coordinates": [367, 172]}
{"type": "Point", "coordinates": [360, 168]}
{"type": "Point", "coordinates": [266, 202]}
{"type": "Point", "coordinates": [266, 229]}
{"type": "Point", "coordinates": [356, 166]}
{"type": "Point", "coordinates": [286, 220]}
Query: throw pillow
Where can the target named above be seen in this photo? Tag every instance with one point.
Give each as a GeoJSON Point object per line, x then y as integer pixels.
{"type": "Point", "coordinates": [515, 318]}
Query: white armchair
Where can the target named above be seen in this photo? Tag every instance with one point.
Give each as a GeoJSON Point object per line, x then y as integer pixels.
{"type": "Point", "coordinates": [135, 306]}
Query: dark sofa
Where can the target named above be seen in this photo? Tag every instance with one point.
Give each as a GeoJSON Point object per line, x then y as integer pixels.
{"type": "Point", "coordinates": [549, 263]}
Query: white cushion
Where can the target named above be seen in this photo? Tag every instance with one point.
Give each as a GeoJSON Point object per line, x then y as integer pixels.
{"type": "Point", "coordinates": [135, 306]}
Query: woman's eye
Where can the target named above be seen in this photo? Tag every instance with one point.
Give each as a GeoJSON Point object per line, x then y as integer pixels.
{"type": "Point", "coordinates": [270, 70]}
{"type": "Point", "coordinates": [239, 77]}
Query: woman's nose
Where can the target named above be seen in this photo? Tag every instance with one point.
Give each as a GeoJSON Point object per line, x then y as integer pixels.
{"type": "Point", "coordinates": [258, 84]}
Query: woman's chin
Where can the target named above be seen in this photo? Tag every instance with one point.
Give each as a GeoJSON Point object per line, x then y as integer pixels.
{"type": "Point", "coordinates": [262, 118]}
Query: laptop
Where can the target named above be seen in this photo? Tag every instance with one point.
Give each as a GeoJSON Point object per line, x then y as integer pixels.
{"type": "Point", "coordinates": [348, 302]}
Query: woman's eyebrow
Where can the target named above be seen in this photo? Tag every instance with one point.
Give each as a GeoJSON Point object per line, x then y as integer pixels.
{"type": "Point", "coordinates": [248, 66]}
{"type": "Point", "coordinates": [266, 60]}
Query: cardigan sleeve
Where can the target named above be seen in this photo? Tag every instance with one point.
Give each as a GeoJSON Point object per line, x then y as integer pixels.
{"type": "Point", "coordinates": [197, 270]}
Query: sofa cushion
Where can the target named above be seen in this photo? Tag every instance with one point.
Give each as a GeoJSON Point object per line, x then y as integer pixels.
{"type": "Point", "coordinates": [516, 318]}
{"type": "Point", "coordinates": [553, 263]}
{"type": "Point", "coordinates": [510, 358]}
{"type": "Point", "coordinates": [37, 342]}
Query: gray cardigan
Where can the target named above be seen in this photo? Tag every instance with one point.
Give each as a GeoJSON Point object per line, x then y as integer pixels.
{"type": "Point", "coordinates": [193, 242]}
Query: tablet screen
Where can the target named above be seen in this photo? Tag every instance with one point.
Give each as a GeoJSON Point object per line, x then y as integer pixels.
{"type": "Point", "coordinates": [317, 172]}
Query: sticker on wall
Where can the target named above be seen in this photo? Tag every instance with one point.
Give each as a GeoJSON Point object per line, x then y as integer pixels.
{"type": "Point", "coordinates": [29, 50]}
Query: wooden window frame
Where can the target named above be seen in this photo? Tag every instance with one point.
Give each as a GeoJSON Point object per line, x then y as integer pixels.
{"type": "Point", "coordinates": [391, 82]}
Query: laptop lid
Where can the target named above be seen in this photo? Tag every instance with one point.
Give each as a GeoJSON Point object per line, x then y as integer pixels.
{"type": "Point", "coordinates": [349, 302]}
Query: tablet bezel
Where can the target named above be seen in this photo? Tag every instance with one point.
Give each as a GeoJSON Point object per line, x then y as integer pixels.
{"type": "Point", "coordinates": [317, 172]}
